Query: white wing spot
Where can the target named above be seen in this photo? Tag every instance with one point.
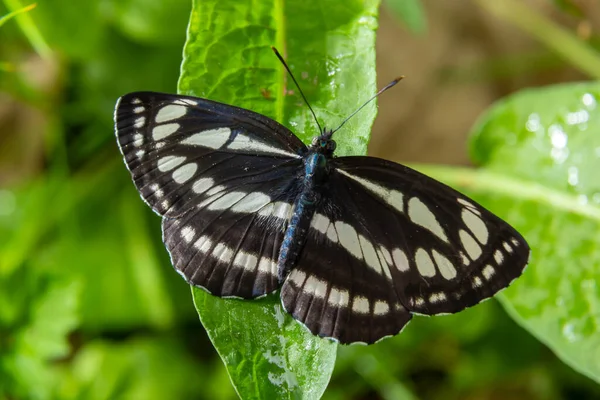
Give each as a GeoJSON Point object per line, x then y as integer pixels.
{"type": "Point", "coordinates": [444, 265]}
{"type": "Point", "coordinates": [203, 244]}
{"type": "Point", "coordinates": [369, 254]}
{"type": "Point", "coordinates": [381, 308]}
{"type": "Point", "coordinates": [226, 201]}
{"type": "Point", "coordinates": [360, 305]}
{"type": "Point", "coordinates": [507, 247]}
{"type": "Point", "coordinates": [279, 209]}
{"type": "Point", "coordinates": [136, 101]}
{"type": "Point", "coordinates": [400, 260]}
{"type": "Point", "coordinates": [424, 263]}
{"type": "Point", "coordinates": [469, 205]}
{"type": "Point", "coordinates": [297, 277]}
{"type": "Point", "coordinates": [392, 197]}
{"type": "Point", "coordinates": [165, 204]}
{"type": "Point", "coordinates": [212, 138]}
{"type": "Point", "coordinates": [186, 102]}
{"type": "Point", "coordinates": [251, 203]}
{"type": "Point", "coordinates": [140, 153]}
{"type": "Point", "coordinates": [138, 110]}
{"type": "Point", "coordinates": [332, 234]}
{"type": "Point", "coordinates": [156, 190]}
{"type": "Point", "coordinates": [383, 262]}
{"type": "Point", "coordinates": [216, 190]}
{"type": "Point", "coordinates": [222, 253]}
{"type": "Point", "coordinates": [515, 242]}
{"type": "Point", "coordinates": [185, 172]}
{"type": "Point", "coordinates": [421, 215]}
{"type": "Point", "coordinates": [487, 272]}
{"type": "Point", "coordinates": [464, 259]}
{"type": "Point", "coordinates": [245, 260]}
{"type": "Point", "coordinates": [338, 298]}
{"type": "Point", "coordinates": [437, 297]}
{"type": "Point", "coordinates": [269, 266]}
{"type": "Point", "coordinates": [159, 145]}
{"type": "Point", "coordinates": [348, 238]}
{"type": "Point", "coordinates": [477, 282]}
{"type": "Point", "coordinates": [170, 112]}
{"type": "Point", "coordinates": [475, 225]}
{"type": "Point", "coordinates": [202, 185]}
{"type": "Point", "coordinates": [316, 286]}
{"type": "Point", "coordinates": [188, 233]}
{"type": "Point", "coordinates": [248, 144]}
{"type": "Point", "coordinates": [418, 301]}
{"type": "Point", "coordinates": [471, 246]}
{"type": "Point", "coordinates": [138, 140]}
{"type": "Point", "coordinates": [320, 223]}
{"type": "Point", "coordinates": [139, 122]}
{"type": "Point", "coordinates": [386, 254]}
{"type": "Point", "coordinates": [167, 163]}
{"type": "Point", "coordinates": [162, 131]}
{"type": "Point", "coordinates": [498, 257]}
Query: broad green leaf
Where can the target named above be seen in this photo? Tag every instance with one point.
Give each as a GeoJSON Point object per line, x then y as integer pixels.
{"type": "Point", "coordinates": [330, 48]}
{"type": "Point", "coordinates": [411, 13]}
{"type": "Point", "coordinates": [541, 153]}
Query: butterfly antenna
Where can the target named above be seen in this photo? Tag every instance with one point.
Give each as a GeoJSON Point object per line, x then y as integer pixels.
{"type": "Point", "coordinates": [298, 86]}
{"type": "Point", "coordinates": [386, 87]}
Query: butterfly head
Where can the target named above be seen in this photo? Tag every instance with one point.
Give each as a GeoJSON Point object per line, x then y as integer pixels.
{"type": "Point", "coordinates": [323, 144]}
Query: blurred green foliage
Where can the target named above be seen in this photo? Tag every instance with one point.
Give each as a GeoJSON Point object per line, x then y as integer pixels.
{"type": "Point", "coordinates": [89, 306]}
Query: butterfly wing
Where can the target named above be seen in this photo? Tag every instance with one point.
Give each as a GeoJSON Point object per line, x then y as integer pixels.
{"type": "Point", "coordinates": [223, 178]}
{"type": "Point", "coordinates": [396, 242]}
{"type": "Point", "coordinates": [178, 147]}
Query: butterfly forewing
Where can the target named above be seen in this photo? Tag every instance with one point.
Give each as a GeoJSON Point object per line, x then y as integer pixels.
{"type": "Point", "coordinates": [177, 147]}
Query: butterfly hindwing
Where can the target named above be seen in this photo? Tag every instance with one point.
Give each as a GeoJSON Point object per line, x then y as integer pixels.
{"type": "Point", "coordinates": [229, 243]}
{"type": "Point", "coordinates": [393, 241]}
{"type": "Point", "coordinates": [179, 147]}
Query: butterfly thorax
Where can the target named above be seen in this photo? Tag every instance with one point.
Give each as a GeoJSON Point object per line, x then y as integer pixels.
{"type": "Point", "coordinates": [316, 162]}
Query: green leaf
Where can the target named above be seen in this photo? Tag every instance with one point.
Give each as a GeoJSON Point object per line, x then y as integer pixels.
{"type": "Point", "coordinates": [541, 153]}
{"type": "Point", "coordinates": [268, 355]}
{"type": "Point", "coordinates": [411, 13]}
{"type": "Point", "coordinates": [330, 48]}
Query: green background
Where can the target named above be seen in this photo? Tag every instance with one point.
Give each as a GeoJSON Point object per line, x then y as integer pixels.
{"type": "Point", "coordinates": [90, 307]}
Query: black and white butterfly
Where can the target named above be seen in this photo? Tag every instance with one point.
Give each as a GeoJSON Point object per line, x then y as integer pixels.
{"type": "Point", "coordinates": [356, 244]}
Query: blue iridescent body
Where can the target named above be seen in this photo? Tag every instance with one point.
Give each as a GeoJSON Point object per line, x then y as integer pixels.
{"type": "Point", "coordinates": [316, 171]}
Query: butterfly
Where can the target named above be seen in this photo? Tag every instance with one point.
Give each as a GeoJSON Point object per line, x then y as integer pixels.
{"type": "Point", "coordinates": [356, 245]}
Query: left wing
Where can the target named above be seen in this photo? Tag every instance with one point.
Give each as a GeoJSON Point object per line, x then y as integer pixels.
{"type": "Point", "coordinates": [223, 178]}
{"type": "Point", "coordinates": [388, 241]}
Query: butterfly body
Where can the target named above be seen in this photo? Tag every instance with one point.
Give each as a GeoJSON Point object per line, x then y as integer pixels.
{"type": "Point", "coordinates": [356, 245]}
{"type": "Point", "coordinates": [314, 180]}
